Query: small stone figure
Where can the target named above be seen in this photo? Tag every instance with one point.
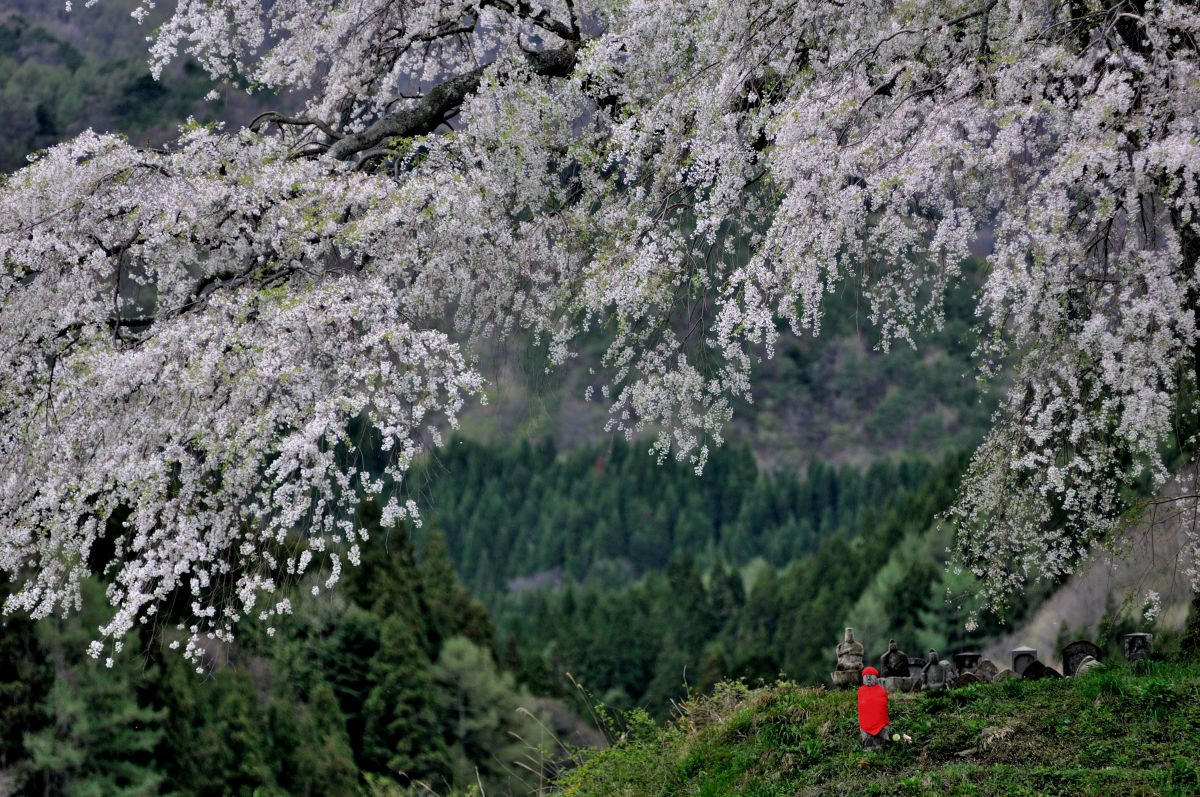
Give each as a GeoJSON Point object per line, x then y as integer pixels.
{"type": "Point", "coordinates": [893, 663]}
{"type": "Point", "coordinates": [933, 676]}
{"type": "Point", "coordinates": [849, 661]}
{"type": "Point", "coordinates": [872, 710]}
{"type": "Point", "coordinates": [1137, 646]}
{"type": "Point", "coordinates": [1074, 654]}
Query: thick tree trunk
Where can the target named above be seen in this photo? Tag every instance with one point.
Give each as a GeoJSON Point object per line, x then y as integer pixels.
{"type": "Point", "coordinates": [1189, 648]}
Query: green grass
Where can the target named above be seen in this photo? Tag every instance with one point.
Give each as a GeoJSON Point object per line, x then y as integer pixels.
{"type": "Point", "coordinates": [1116, 731]}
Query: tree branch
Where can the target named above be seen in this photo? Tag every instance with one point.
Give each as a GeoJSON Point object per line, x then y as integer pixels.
{"type": "Point", "coordinates": [427, 115]}
{"type": "Point", "coordinates": [523, 9]}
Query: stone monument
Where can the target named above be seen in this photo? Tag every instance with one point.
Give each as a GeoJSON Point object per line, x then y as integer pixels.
{"type": "Point", "coordinates": [1087, 664]}
{"type": "Point", "coordinates": [966, 679]}
{"type": "Point", "coordinates": [966, 660]}
{"type": "Point", "coordinates": [894, 670]}
{"type": "Point", "coordinates": [1074, 653]}
{"type": "Point", "coordinates": [1023, 657]}
{"type": "Point", "coordinates": [893, 663]}
{"type": "Point", "coordinates": [849, 661]}
{"type": "Point", "coordinates": [893, 666]}
{"type": "Point", "coordinates": [986, 671]}
{"type": "Point", "coordinates": [934, 675]}
{"type": "Point", "coordinates": [1037, 671]}
{"type": "Point", "coordinates": [1137, 646]}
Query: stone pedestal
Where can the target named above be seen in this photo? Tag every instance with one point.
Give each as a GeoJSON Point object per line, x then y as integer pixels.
{"type": "Point", "coordinates": [1137, 646]}
{"type": "Point", "coordinates": [845, 679]}
{"type": "Point", "coordinates": [899, 683]}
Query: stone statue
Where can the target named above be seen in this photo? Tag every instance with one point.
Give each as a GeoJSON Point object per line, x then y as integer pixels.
{"type": "Point", "coordinates": [849, 661]}
{"type": "Point", "coordinates": [893, 663]}
{"type": "Point", "coordinates": [934, 675]}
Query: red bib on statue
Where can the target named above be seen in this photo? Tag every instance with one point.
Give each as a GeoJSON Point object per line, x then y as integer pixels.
{"type": "Point", "coordinates": [872, 708]}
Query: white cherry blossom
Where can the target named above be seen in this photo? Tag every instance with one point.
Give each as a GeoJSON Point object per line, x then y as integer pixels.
{"type": "Point", "coordinates": [197, 345]}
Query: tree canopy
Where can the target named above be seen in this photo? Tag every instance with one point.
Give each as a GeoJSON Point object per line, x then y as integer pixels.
{"type": "Point", "coordinates": [198, 343]}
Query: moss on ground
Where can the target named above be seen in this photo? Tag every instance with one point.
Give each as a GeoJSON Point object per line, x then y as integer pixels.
{"type": "Point", "coordinates": [1119, 730]}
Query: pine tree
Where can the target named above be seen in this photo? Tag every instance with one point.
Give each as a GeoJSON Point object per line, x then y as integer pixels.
{"type": "Point", "coordinates": [401, 735]}
{"type": "Point", "coordinates": [99, 739]}
{"type": "Point", "coordinates": [480, 716]}
{"type": "Point", "coordinates": [24, 681]}
{"type": "Point", "coordinates": [322, 760]}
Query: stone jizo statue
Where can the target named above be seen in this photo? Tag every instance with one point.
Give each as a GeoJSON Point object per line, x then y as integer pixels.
{"type": "Point", "coordinates": [849, 661]}
{"type": "Point", "coordinates": [934, 675]}
{"type": "Point", "coordinates": [893, 663]}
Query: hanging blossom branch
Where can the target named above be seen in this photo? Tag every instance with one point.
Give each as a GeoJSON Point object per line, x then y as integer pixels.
{"type": "Point", "coordinates": [188, 336]}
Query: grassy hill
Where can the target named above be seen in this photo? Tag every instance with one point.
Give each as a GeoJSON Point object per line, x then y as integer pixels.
{"type": "Point", "coordinates": [1117, 730]}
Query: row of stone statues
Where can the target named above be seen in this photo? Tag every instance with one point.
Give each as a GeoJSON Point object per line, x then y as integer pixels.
{"type": "Point", "coordinates": [899, 672]}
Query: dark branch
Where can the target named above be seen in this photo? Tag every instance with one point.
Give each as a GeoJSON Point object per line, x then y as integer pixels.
{"type": "Point", "coordinates": [428, 114]}
{"type": "Point", "coordinates": [540, 17]}
{"type": "Point", "coordinates": [279, 119]}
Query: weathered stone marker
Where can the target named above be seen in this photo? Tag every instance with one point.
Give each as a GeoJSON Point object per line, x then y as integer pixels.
{"type": "Point", "coordinates": [1137, 646]}
{"type": "Point", "coordinates": [849, 661]}
{"type": "Point", "coordinates": [966, 679]}
{"type": "Point", "coordinates": [1074, 654]}
{"type": "Point", "coordinates": [1033, 670]}
{"type": "Point", "coordinates": [1036, 671]}
{"type": "Point", "coordinates": [1022, 657]}
{"type": "Point", "coordinates": [967, 660]}
{"type": "Point", "coordinates": [986, 671]}
{"type": "Point", "coordinates": [1087, 664]}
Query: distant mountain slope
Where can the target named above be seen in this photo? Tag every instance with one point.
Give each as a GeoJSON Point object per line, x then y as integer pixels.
{"type": "Point", "coordinates": [61, 73]}
{"type": "Point", "coordinates": [833, 398]}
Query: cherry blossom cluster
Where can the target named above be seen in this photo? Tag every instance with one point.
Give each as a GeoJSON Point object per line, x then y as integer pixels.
{"type": "Point", "coordinates": [203, 348]}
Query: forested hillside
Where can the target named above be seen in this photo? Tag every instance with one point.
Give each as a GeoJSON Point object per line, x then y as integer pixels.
{"type": "Point", "coordinates": [646, 580]}
{"type": "Point", "coordinates": [389, 682]}
{"type": "Point", "coordinates": [835, 398]}
{"type": "Point", "coordinates": [61, 73]}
